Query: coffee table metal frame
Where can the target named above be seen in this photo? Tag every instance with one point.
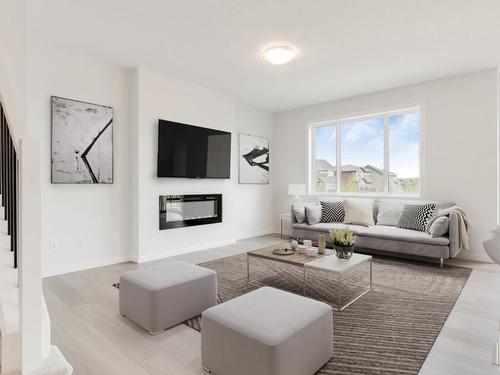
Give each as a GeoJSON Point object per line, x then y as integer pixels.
{"type": "Point", "coordinates": [322, 263]}
{"type": "Point", "coordinates": [339, 267]}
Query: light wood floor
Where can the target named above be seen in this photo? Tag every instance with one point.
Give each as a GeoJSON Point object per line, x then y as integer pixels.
{"type": "Point", "coordinates": [93, 337]}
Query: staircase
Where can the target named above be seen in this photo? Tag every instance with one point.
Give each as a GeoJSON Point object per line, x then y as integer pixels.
{"type": "Point", "coordinates": [10, 329]}
{"type": "Point", "coordinates": [10, 338]}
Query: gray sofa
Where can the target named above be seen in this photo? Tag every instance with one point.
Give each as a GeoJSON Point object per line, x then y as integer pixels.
{"type": "Point", "coordinates": [389, 238]}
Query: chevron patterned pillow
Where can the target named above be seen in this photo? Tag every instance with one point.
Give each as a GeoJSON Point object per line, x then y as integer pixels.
{"type": "Point", "coordinates": [332, 212]}
{"type": "Point", "coordinates": [416, 216]}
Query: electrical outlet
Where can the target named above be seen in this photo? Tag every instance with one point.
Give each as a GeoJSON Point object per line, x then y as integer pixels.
{"type": "Point", "coordinates": [52, 245]}
{"type": "Point", "coordinates": [79, 243]}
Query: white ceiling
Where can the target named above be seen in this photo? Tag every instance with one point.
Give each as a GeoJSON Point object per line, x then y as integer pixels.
{"type": "Point", "coordinates": [346, 47]}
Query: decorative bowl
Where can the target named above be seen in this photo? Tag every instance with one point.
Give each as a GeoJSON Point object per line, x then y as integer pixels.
{"type": "Point", "coordinates": [301, 249]}
{"type": "Point", "coordinates": [312, 251]}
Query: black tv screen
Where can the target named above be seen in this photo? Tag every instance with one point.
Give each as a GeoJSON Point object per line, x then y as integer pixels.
{"type": "Point", "coordinates": [192, 152]}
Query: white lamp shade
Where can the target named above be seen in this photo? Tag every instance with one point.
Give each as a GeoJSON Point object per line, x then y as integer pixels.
{"type": "Point", "coordinates": [296, 189]}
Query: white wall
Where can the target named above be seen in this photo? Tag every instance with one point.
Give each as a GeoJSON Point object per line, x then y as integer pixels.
{"type": "Point", "coordinates": [13, 63]}
{"type": "Point", "coordinates": [247, 210]}
{"type": "Point", "coordinates": [459, 160]}
{"type": "Point", "coordinates": [254, 215]}
{"type": "Point", "coordinates": [90, 224]}
{"type": "Point", "coordinates": [95, 225]}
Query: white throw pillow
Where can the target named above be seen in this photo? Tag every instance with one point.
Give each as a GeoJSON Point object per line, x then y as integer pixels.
{"type": "Point", "coordinates": [299, 211]}
{"type": "Point", "coordinates": [440, 227]}
{"type": "Point", "coordinates": [313, 213]}
{"type": "Point", "coordinates": [359, 211]}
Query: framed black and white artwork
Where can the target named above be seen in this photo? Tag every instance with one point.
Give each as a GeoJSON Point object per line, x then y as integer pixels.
{"type": "Point", "coordinates": [82, 142]}
{"type": "Point", "coordinates": [253, 159]}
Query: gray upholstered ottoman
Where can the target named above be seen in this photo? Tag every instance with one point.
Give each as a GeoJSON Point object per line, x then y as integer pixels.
{"type": "Point", "coordinates": [267, 332]}
{"type": "Point", "coordinates": [160, 297]}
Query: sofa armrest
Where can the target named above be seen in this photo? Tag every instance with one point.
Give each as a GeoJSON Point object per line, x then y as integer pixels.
{"type": "Point", "coordinates": [293, 219]}
{"type": "Point", "coordinates": [453, 235]}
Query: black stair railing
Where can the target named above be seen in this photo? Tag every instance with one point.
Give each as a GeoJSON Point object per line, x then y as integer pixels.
{"type": "Point", "coordinates": [8, 181]}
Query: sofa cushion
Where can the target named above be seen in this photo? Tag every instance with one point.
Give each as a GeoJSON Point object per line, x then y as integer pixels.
{"type": "Point", "coordinates": [379, 231]}
{"type": "Point", "coordinates": [326, 227]}
{"type": "Point", "coordinates": [416, 216]}
{"type": "Point", "coordinates": [358, 211]}
{"type": "Point", "coordinates": [332, 211]}
{"type": "Point", "coordinates": [402, 234]}
{"type": "Point", "coordinates": [313, 213]}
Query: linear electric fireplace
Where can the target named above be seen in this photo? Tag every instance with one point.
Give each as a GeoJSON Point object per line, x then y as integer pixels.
{"type": "Point", "coordinates": [178, 211]}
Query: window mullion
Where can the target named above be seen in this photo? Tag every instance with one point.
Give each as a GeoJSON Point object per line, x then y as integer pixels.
{"type": "Point", "coordinates": [339, 161]}
{"type": "Point", "coordinates": [312, 160]}
{"type": "Point", "coordinates": [386, 153]}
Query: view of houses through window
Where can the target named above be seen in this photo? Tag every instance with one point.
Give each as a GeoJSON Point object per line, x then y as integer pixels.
{"type": "Point", "coordinates": [377, 154]}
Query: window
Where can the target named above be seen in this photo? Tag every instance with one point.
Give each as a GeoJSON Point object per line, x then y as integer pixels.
{"type": "Point", "coordinates": [362, 156]}
{"type": "Point", "coordinates": [325, 174]}
{"type": "Point", "coordinates": [378, 154]}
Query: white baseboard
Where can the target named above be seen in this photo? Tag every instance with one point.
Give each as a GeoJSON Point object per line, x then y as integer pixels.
{"type": "Point", "coordinates": [474, 256]}
{"type": "Point", "coordinates": [190, 249]}
{"type": "Point", "coordinates": [86, 266]}
{"type": "Point", "coordinates": [148, 257]}
{"type": "Point", "coordinates": [254, 234]}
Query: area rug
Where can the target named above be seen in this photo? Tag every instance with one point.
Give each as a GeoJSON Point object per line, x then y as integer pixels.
{"type": "Point", "coordinates": [390, 330]}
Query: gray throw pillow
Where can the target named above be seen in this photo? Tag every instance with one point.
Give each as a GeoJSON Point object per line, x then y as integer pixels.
{"type": "Point", "coordinates": [440, 227]}
{"type": "Point", "coordinates": [313, 213]}
{"type": "Point", "coordinates": [416, 216]}
{"type": "Point", "coordinates": [299, 211]}
{"type": "Point", "coordinates": [389, 213]}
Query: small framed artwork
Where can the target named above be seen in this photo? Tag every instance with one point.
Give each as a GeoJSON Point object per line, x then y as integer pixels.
{"type": "Point", "coordinates": [253, 159]}
{"type": "Point", "coordinates": [82, 142]}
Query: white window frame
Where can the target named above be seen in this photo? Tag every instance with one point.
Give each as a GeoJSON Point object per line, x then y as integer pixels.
{"type": "Point", "coordinates": [311, 150]}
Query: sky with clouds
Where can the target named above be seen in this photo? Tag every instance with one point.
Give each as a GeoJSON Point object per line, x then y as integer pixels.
{"type": "Point", "coordinates": [363, 143]}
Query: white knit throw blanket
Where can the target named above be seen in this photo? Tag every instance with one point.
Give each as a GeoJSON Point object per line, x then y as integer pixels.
{"type": "Point", "coordinates": [463, 224]}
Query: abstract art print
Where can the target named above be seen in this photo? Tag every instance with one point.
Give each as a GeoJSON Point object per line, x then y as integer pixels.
{"type": "Point", "coordinates": [82, 142]}
{"type": "Point", "coordinates": [253, 159]}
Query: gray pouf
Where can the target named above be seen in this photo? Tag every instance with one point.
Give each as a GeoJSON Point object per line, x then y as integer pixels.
{"type": "Point", "coordinates": [160, 297]}
{"type": "Point", "coordinates": [267, 332]}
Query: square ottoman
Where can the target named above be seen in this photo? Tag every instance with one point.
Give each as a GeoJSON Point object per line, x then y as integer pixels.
{"type": "Point", "coordinates": [267, 332]}
{"type": "Point", "coordinates": [160, 297]}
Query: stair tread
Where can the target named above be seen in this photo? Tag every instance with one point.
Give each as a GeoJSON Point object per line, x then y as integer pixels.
{"type": "Point", "coordinates": [9, 311]}
{"type": "Point", "coordinates": [6, 259]}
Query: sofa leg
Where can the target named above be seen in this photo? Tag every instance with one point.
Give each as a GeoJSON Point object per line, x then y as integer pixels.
{"type": "Point", "coordinates": [441, 262]}
{"type": "Point", "coordinates": [155, 333]}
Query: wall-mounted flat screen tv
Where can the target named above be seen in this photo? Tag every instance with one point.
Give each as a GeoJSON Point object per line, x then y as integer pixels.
{"type": "Point", "coordinates": [189, 151]}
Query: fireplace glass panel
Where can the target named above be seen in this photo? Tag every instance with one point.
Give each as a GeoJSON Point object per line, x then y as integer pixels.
{"type": "Point", "coordinates": [186, 210]}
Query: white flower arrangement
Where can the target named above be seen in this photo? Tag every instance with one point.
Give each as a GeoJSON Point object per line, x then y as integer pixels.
{"type": "Point", "coordinates": [343, 237]}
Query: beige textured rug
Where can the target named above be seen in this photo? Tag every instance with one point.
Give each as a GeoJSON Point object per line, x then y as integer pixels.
{"type": "Point", "coordinates": [390, 330]}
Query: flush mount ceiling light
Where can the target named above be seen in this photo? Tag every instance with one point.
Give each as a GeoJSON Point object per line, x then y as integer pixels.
{"type": "Point", "coordinates": [279, 55]}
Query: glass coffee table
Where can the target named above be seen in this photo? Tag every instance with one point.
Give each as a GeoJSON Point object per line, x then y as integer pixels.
{"type": "Point", "coordinates": [328, 264]}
